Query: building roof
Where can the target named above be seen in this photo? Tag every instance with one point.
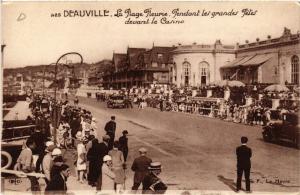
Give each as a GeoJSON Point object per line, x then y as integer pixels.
{"type": "Point", "coordinates": [119, 60]}
{"type": "Point", "coordinates": [152, 55]}
{"type": "Point", "coordinates": [134, 56]}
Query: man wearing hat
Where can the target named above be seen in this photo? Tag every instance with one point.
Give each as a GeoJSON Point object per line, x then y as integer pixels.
{"type": "Point", "coordinates": [110, 128]}
{"type": "Point", "coordinates": [140, 167]}
{"type": "Point", "coordinates": [152, 184]}
{"type": "Point", "coordinates": [123, 141]}
{"type": "Point", "coordinates": [102, 150]}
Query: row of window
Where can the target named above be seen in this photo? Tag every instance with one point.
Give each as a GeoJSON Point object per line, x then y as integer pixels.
{"type": "Point", "coordinates": [204, 70]}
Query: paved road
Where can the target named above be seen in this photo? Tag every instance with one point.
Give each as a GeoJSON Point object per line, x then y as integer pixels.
{"type": "Point", "coordinates": [199, 153]}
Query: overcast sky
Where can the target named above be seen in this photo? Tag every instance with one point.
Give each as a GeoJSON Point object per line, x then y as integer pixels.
{"type": "Point", "coordinates": [33, 37]}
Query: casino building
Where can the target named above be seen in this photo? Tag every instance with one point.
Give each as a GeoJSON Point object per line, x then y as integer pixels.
{"type": "Point", "coordinates": [197, 65]}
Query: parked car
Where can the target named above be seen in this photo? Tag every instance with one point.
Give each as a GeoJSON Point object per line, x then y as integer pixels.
{"type": "Point", "coordinates": [14, 135]}
{"type": "Point", "coordinates": [116, 101]}
{"type": "Point", "coordinates": [287, 129]}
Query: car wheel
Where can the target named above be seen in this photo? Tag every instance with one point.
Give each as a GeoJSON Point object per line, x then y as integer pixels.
{"type": "Point", "coordinates": [6, 160]}
{"type": "Point", "coordinates": [267, 136]}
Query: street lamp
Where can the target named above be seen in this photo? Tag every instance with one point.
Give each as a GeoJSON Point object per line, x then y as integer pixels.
{"type": "Point", "coordinates": [56, 111]}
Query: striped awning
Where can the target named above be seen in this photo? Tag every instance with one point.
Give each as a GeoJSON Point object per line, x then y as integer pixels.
{"type": "Point", "coordinates": [253, 60]}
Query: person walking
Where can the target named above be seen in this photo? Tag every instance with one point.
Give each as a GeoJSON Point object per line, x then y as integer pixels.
{"type": "Point", "coordinates": [110, 128]}
{"type": "Point", "coordinates": [58, 184]}
{"type": "Point", "coordinates": [243, 153]}
{"type": "Point", "coordinates": [108, 175]}
{"type": "Point", "coordinates": [117, 167]}
{"type": "Point", "coordinates": [152, 184]}
{"type": "Point", "coordinates": [102, 150]}
{"type": "Point", "coordinates": [123, 144]}
{"type": "Point", "coordinates": [140, 167]}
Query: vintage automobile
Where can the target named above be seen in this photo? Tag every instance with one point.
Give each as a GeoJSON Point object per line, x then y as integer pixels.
{"type": "Point", "coordinates": [14, 135]}
{"type": "Point", "coordinates": [285, 129]}
{"type": "Point", "coordinates": [116, 101]}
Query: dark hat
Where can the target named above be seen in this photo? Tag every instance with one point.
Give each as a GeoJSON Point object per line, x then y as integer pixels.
{"type": "Point", "coordinates": [155, 166]}
{"type": "Point", "coordinates": [125, 132]}
{"type": "Point", "coordinates": [58, 159]}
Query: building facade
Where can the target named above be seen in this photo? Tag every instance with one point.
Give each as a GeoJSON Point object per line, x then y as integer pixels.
{"type": "Point", "coordinates": [269, 61]}
{"type": "Point", "coordinates": [139, 67]}
{"type": "Point", "coordinates": [197, 65]}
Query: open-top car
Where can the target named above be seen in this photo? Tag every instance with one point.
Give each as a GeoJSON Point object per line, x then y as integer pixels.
{"type": "Point", "coordinates": [287, 129]}
{"type": "Point", "coordinates": [14, 134]}
{"type": "Point", "coordinates": [116, 101]}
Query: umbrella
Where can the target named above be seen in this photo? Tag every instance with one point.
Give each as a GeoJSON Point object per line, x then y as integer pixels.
{"type": "Point", "coordinates": [220, 83]}
{"type": "Point", "coordinates": [277, 87]}
{"type": "Point", "coordinates": [236, 83]}
{"type": "Point", "coordinates": [297, 89]}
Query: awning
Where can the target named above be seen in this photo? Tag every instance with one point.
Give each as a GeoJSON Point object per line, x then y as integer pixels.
{"type": "Point", "coordinates": [258, 60]}
{"type": "Point", "coordinates": [233, 63]}
{"type": "Point", "coordinates": [253, 60]}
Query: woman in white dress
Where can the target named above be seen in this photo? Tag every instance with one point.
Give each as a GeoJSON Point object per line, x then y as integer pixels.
{"type": "Point", "coordinates": [81, 159]}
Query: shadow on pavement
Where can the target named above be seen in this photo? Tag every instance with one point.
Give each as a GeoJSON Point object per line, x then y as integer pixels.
{"type": "Point", "coordinates": [280, 143]}
{"type": "Point", "coordinates": [229, 182]}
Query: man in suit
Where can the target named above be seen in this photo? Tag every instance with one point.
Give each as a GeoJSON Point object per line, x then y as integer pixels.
{"type": "Point", "coordinates": [152, 184]}
{"type": "Point", "coordinates": [243, 154]}
{"type": "Point", "coordinates": [110, 129]}
{"type": "Point", "coordinates": [140, 167]}
{"type": "Point", "coordinates": [123, 140]}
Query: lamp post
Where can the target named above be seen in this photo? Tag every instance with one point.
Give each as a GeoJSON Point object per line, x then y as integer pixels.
{"type": "Point", "coordinates": [56, 113]}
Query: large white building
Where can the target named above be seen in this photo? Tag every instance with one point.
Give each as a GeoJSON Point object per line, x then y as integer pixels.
{"type": "Point", "coordinates": [195, 65]}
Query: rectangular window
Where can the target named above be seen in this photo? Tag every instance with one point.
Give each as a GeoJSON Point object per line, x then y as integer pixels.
{"type": "Point", "coordinates": [154, 64]}
{"type": "Point", "coordinates": [163, 66]}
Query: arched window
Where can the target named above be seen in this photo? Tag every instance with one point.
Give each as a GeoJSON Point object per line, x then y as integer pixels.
{"type": "Point", "coordinates": [186, 66]}
{"type": "Point", "coordinates": [203, 73]}
{"type": "Point", "coordinates": [295, 70]}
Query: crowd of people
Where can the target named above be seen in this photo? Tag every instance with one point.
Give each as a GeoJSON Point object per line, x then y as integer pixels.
{"type": "Point", "coordinates": [234, 108]}
{"type": "Point", "coordinates": [61, 127]}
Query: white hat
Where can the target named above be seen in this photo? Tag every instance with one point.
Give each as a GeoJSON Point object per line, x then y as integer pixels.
{"type": "Point", "coordinates": [78, 135]}
{"type": "Point", "coordinates": [56, 152]}
{"type": "Point", "coordinates": [143, 150]}
{"type": "Point", "coordinates": [49, 143]}
{"type": "Point", "coordinates": [93, 119]}
{"type": "Point", "coordinates": [106, 158]}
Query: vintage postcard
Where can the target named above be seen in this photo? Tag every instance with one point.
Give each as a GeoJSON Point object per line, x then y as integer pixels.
{"type": "Point", "coordinates": [137, 97]}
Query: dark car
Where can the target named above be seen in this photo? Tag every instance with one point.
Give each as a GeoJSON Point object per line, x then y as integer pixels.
{"type": "Point", "coordinates": [285, 129]}
{"type": "Point", "coordinates": [116, 101]}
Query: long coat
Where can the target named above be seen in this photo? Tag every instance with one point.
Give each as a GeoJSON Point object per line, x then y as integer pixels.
{"type": "Point", "coordinates": [108, 178]}
{"type": "Point", "coordinates": [117, 165]}
{"type": "Point", "coordinates": [102, 150]}
{"type": "Point", "coordinates": [140, 167]}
